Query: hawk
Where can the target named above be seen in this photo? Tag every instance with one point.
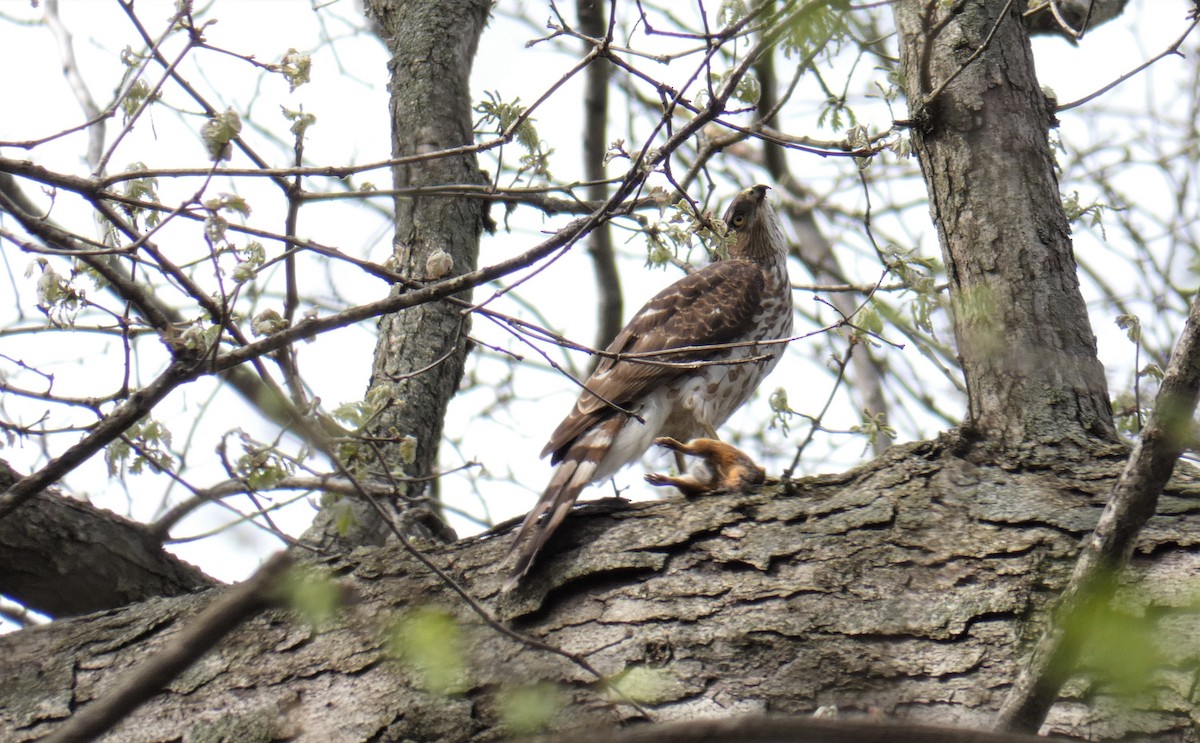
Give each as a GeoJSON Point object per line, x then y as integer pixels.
{"type": "Point", "coordinates": [714, 315]}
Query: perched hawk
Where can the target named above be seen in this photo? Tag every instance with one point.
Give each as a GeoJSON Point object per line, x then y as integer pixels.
{"type": "Point", "coordinates": [736, 301]}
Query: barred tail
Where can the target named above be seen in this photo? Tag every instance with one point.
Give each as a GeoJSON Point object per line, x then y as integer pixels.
{"type": "Point", "coordinates": [575, 472]}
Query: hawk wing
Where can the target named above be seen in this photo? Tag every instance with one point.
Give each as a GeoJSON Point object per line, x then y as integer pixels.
{"type": "Point", "coordinates": [714, 305]}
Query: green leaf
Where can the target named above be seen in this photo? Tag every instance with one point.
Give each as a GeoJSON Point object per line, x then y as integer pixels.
{"type": "Point", "coordinates": [1126, 649]}
{"type": "Point", "coordinates": [527, 710]}
{"type": "Point", "coordinates": [817, 27]}
{"type": "Point", "coordinates": [214, 228]}
{"type": "Point", "coordinates": [262, 467]}
{"type": "Point", "coordinates": [873, 426]}
{"type": "Point", "coordinates": [732, 11]}
{"type": "Point", "coordinates": [267, 322]}
{"type": "Point", "coordinates": [134, 97]}
{"type": "Point", "coordinates": [312, 594]}
{"type": "Point", "coordinates": [296, 67]}
{"type": "Point", "coordinates": [408, 449]}
{"type": "Point", "coordinates": [1154, 371]}
{"type": "Point", "coordinates": [353, 413]}
{"type": "Point", "coordinates": [1076, 210]}
{"type": "Point", "coordinates": [508, 118]}
{"type": "Point", "coordinates": [218, 132]}
{"type": "Point", "coordinates": [428, 642]}
{"type": "Point", "coordinates": [141, 189]}
{"type": "Point", "coordinates": [748, 90]}
{"type": "Point", "coordinates": [868, 319]}
{"type": "Point", "coordinates": [781, 411]}
{"type": "Point", "coordinates": [645, 684]}
{"type": "Point", "coordinates": [1132, 325]}
{"type": "Point", "coordinates": [142, 445]}
{"type": "Point", "coordinates": [228, 202]}
{"type": "Point", "coordinates": [301, 120]}
{"type": "Point", "coordinates": [251, 256]}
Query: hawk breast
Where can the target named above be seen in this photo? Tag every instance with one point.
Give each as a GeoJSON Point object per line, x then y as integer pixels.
{"type": "Point", "coordinates": [717, 304]}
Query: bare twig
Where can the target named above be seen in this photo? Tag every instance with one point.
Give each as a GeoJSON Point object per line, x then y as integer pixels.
{"type": "Point", "coordinates": [1170, 50]}
{"type": "Point", "coordinates": [105, 432]}
{"type": "Point", "coordinates": [815, 421]}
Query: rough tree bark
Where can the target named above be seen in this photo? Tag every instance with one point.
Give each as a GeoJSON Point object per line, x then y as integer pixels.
{"type": "Point", "coordinates": [63, 557]}
{"type": "Point", "coordinates": [907, 587]}
{"type": "Point", "coordinates": [911, 586]}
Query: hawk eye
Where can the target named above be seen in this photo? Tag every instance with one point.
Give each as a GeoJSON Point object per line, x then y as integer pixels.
{"type": "Point", "coordinates": [738, 220]}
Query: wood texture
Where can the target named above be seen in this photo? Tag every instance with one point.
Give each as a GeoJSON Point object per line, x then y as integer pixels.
{"type": "Point", "coordinates": [909, 587]}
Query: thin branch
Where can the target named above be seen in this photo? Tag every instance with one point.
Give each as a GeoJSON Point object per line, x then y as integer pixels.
{"type": "Point", "coordinates": [1170, 50]}
{"type": "Point", "coordinates": [106, 431]}
{"type": "Point", "coordinates": [815, 422]}
{"type": "Point", "coordinates": [70, 67]}
{"type": "Point", "coordinates": [141, 402]}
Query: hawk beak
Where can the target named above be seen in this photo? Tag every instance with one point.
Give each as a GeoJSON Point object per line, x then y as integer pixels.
{"type": "Point", "coordinates": [759, 190]}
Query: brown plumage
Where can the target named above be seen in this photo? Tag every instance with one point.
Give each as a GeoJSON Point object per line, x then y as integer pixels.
{"type": "Point", "coordinates": [721, 468]}
{"type": "Point", "coordinates": [742, 299]}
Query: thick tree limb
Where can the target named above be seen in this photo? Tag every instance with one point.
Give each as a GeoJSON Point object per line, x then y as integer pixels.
{"type": "Point", "coordinates": [1071, 19]}
{"type": "Point", "coordinates": [896, 589]}
{"type": "Point", "coordinates": [64, 557]}
{"type": "Point", "coordinates": [196, 639]}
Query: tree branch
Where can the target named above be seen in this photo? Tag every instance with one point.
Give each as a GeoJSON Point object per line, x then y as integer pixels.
{"type": "Point", "coordinates": [813, 729]}
{"type": "Point", "coordinates": [64, 557]}
{"type": "Point", "coordinates": [595, 145]}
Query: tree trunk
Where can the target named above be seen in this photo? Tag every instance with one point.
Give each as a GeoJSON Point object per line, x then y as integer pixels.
{"type": "Point", "coordinates": [593, 21]}
{"type": "Point", "coordinates": [421, 352]}
{"type": "Point", "coordinates": [1026, 347]}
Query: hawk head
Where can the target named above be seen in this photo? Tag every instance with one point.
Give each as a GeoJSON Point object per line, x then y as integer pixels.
{"type": "Point", "coordinates": [758, 235]}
